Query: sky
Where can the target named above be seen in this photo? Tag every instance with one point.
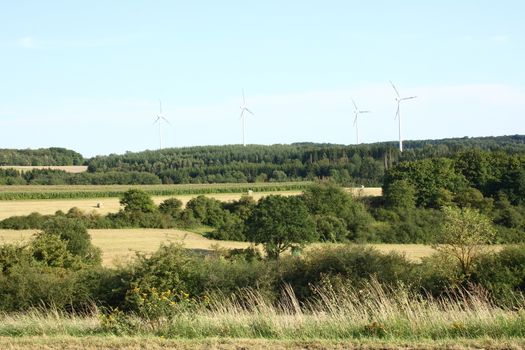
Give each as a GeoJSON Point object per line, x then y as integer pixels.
{"type": "Point", "coordinates": [88, 75]}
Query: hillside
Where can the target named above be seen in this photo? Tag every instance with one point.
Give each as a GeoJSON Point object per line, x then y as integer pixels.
{"type": "Point", "coordinates": [347, 164]}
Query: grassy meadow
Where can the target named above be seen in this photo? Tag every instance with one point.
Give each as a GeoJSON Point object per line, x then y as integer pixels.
{"type": "Point", "coordinates": [370, 318]}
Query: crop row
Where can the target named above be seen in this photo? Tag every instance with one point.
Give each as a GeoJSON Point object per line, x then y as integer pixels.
{"type": "Point", "coordinates": [76, 192]}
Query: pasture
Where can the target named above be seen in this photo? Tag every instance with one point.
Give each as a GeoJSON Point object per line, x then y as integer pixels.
{"type": "Point", "coordinates": [120, 245]}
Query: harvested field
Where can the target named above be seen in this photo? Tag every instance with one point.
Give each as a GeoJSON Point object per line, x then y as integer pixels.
{"type": "Point", "coordinates": [73, 169]}
{"type": "Point", "coordinates": [108, 205]}
{"type": "Point", "coordinates": [119, 245]}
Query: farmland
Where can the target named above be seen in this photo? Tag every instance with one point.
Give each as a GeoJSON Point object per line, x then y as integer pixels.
{"type": "Point", "coordinates": [86, 198]}
{"type": "Point", "coordinates": [72, 169]}
{"type": "Point", "coordinates": [327, 267]}
{"type": "Point", "coordinates": [108, 204]}
{"type": "Point", "coordinates": [120, 245]}
{"type": "Point", "coordinates": [105, 191]}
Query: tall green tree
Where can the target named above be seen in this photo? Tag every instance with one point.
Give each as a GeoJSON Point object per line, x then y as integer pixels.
{"type": "Point", "coordinates": [280, 223]}
{"type": "Point", "coordinates": [136, 200]}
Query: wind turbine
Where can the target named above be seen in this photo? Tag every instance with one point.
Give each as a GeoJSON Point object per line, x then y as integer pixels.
{"type": "Point", "coordinates": [160, 118]}
{"type": "Point", "coordinates": [356, 114]}
{"type": "Point", "coordinates": [400, 99]}
{"type": "Point", "coordinates": [243, 117]}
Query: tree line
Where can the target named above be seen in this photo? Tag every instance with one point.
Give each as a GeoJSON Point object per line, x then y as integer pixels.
{"type": "Point", "coordinates": [349, 165]}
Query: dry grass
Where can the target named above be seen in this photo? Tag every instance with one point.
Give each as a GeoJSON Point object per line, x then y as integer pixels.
{"type": "Point", "coordinates": [120, 245]}
{"type": "Point", "coordinates": [74, 169]}
{"type": "Point", "coordinates": [109, 205]}
{"type": "Point", "coordinates": [157, 343]}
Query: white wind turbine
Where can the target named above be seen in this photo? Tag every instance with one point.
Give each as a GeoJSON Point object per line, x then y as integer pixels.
{"type": "Point", "coordinates": [356, 114]}
{"type": "Point", "coordinates": [160, 118]}
{"type": "Point", "coordinates": [399, 99]}
{"type": "Point", "coordinates": [243, 117]}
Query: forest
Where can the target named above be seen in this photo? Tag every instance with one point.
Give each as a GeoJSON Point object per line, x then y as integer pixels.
{"type": "Point", "coordinates": [348, 165]}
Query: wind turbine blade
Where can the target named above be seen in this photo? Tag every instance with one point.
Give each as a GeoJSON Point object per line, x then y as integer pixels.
{"type": "Point", "coordinates": [156, 120]}
{"type": "Point", "coordinates": [242, 113]}
{"type": "Point", "coordinates": [408, 98]}
{"type": "Point", "coordinates": [397, 112]}
{"type": "Point", "coordinates": [355, 120]}
{"type": "Point", "coordinates": [397, 92]}
{"type": "Point", "coordinates": [166, 120]}
{"type": "Point", "coordinates": [247, 110]}
{"type": "Point", "coordinates": [160, 106]}
{"type": "Point", "coordinates": [364, 112]}
{"type": "Point", "coordinates": [243, 100]}
{"type": "Point", "coordinates": [355, 106]}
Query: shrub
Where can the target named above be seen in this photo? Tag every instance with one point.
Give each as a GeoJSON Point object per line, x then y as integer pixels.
{"type": "Point", "coordinates": [207, 210]}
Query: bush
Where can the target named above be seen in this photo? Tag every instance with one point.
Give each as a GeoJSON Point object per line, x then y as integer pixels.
{"type": "Point", "coordinates": [503, 273]}
{"type": "Point", "coordinates": [330, 228]}
{"type": "Point", "coordinates": [135, 200]}
{"type": "Point", "coordinates": [349, 264]}
{"type": "Point", "coordinates": [74, 233]}
{"type": "Point", "coordinates": [330, 200]}
{"type": "Point", "coordinates": [171, 207]}
{"type": "Point", "coordinates": [207, 211]}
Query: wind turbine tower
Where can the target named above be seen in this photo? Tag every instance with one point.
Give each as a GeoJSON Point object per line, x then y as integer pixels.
{"type": "Point", "coordinates": [400, 99]}
{"type": "Point", "coordinates": [243, 117]}
{"type": "Point", "coordinates": [357, 112]}
{"type": "Point", "coordinates": [159, 120]}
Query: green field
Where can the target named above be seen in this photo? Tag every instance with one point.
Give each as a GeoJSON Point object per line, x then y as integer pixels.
{"type": "Point", "coordinates": [29, 192]}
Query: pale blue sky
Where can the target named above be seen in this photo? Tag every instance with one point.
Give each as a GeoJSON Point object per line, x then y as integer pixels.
{"type": "Point", "coordinates": [87, 75]}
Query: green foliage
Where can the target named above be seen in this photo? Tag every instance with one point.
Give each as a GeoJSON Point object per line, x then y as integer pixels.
{"type": "Point", "coordinates": [50, 250]}
{"type": "Point", "coordinates": [503, 273]}
{"type": "Point", "coordinates": [330, 228]}
{"type": "Point", "coordinates": [408, 226]}
{"type": "Point", "coordinates": [13, 255]}
{"type": "Point", "coordinates": [232, 228]}
{"type": "Point", "coordinates": [171, 207]}
{"type": "Point", "coordinates": [280, 223]}
{"type": "Point", "coordinates": [207, 210]}
{"type": "Point", "coordinates": [75, 235]}
{"type": "Point", "coordinates": [42, 156]}
{"type": "Point", "coordinates": [352, 264]}
{"type": "Point", "coordinates": [464, 235]}
{"type": "Point", "coordinates": [400, 194]}
{"type": "Point", "coordinates": [328, 199]}
{"type": "Point", "coordinates": [429, 178]}
{"type": "Point", "coordinates": [137, 201]}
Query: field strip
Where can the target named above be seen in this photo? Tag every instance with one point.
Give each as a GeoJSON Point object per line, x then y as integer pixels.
{"type": "Point", "coordinates": [119, 245]}
{"type": "Point", "coordinates": [108, 205]}
{"type": "Point", "coordinates": [73, 169]}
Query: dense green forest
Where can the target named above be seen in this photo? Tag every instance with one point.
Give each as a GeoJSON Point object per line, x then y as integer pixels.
{"type": "Point", "coordinates": [42, 156]}
{"type": "Point", "coordinates": [349, 165]}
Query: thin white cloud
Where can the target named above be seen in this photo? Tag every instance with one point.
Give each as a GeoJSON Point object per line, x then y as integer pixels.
{"type": "Point", "coordinates": [499, 39]}
{"type": "Point", "coordinates": [27, 42]}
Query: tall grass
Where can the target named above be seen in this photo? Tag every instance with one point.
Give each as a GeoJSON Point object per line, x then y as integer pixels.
{"type": "Point", "coordinates": [343, 313]}
{"type": "Point", "coordinates": [373, 312]}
